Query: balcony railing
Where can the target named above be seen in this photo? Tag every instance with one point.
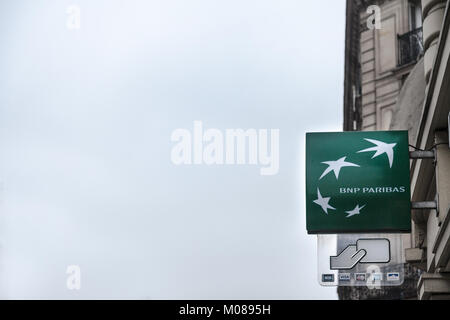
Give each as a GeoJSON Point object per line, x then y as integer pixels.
{"type": "Point", "coordinates": [410, 47]}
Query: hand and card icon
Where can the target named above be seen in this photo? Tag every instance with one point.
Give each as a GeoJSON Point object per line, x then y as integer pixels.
{"type": "Point", "coordinates": [364, 251]}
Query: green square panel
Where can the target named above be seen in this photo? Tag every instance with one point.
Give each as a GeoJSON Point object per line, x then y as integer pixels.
{"type": "Point", "coordinates": [357, 182]}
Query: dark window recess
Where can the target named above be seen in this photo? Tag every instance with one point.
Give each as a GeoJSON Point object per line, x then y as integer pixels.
{"type": "Point", "coordinates": [410, 47]}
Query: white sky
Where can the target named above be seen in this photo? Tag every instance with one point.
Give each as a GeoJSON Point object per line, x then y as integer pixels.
{"type": "Point", "coordinates": [86, 118]}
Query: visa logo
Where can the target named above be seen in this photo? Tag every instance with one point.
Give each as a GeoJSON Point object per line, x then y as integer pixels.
{"type": "Point", "coordinates": [344, 277]}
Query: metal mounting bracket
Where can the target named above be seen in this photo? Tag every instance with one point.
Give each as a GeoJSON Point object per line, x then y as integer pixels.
{"type": "Point", "coordinates": [424, 205]}
{"type": "Point", "coordinates": [419, 154]}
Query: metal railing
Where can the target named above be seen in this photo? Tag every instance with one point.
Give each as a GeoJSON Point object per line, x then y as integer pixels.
{"type": "Point", "coordinates": [410, 47]}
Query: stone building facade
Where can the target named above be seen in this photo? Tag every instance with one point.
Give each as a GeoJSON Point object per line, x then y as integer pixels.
{"type": "Point", "coordinates": [396, 78]}
{"type": "Point", "coordinates": [378, 60]}
{"type": "Point", "coordinates": [430, 178]}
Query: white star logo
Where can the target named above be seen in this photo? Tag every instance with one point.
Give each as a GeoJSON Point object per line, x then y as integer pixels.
{"type": "Point", "coordinates": [323, 202]}
{"type": "Point", "coordinates": [381, 147]}
{"type": "Point", "coordinates": [354, 211]}
{"type": "Point", "coordinates": [336, 166]}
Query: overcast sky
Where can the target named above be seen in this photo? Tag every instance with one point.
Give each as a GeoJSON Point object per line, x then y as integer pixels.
{"type": "Point", "coordinates": [85, 125]}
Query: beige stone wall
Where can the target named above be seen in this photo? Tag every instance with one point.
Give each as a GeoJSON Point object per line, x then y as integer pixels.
{"type": "Point", "coordinates": [381, 81]}
{"type": "Point", "coordinates": [380, 77]}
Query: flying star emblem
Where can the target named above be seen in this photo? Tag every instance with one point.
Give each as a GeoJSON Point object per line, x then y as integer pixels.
{"type": "Point", "coordinates": [357, 210]}
{"type": "Point", "coordinates": [323, 202]}
{"type": "Point", "coordinates": [381, 148]}
{"type": "Point", "coordinates": [336, 166]}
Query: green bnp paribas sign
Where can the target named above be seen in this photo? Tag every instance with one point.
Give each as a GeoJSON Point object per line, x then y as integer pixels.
{"type": "Point", "coordinates": [357, 182]}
